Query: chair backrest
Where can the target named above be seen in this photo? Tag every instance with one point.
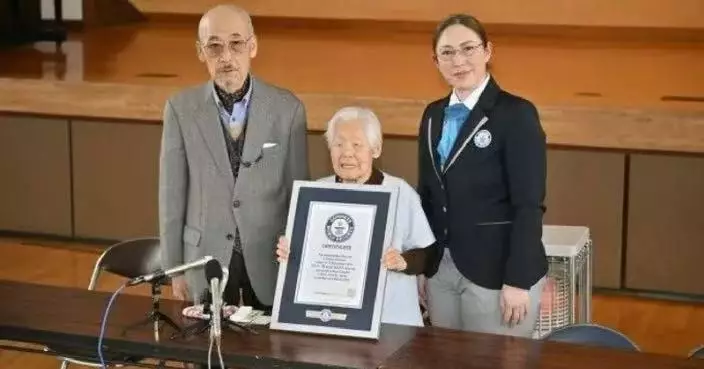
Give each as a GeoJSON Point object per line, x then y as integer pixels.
{"type": "Point", "coordinates": [128, 259]}
{"type": "Point", "coordinates": [592, 334]}
{"type": "Point", "coordinates": [697, 353]}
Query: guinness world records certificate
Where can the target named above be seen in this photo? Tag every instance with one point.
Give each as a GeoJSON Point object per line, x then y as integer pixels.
{"type": "Point", "coordinates": [333, 281]}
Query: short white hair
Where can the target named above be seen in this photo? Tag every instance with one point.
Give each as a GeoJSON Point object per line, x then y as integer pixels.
{"type": "Point", "coordinates": [372, 125]}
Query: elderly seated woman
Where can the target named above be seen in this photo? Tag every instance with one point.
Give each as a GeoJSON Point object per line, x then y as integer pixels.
{"type": "Point", "coordinates": [354, 139]}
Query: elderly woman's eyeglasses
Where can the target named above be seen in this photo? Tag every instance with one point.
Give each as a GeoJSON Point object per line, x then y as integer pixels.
{"type": "Point", "coordinates": [216, 49]}
{"type": "Point", "coordinates": [447, 54]}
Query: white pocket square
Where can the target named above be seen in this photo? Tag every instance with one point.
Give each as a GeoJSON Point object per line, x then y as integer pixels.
{"type": "Point", "coordinates": [268, 145]}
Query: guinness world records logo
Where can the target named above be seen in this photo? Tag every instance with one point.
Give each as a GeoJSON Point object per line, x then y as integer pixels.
{"type": "Point", "coordinates": [339, 227]}
{"type": "Point", "coordinates": [326, 315]}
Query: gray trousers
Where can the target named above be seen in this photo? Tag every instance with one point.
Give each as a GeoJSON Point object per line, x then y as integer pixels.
{"type": "Point", "coordinates": [457, 303]}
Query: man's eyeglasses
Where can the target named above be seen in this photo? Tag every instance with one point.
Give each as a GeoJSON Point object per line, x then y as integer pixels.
{"type": "Point", "coordinates": [447, 54]}
{"type": "Point", "coordinates": [216, 49]}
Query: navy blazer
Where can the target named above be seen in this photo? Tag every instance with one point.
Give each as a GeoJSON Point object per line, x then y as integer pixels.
{"type": "Point", "coordinates": [486, 204]}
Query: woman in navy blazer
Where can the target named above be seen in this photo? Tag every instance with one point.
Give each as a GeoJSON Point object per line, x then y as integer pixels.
{"type": "Point", "coordinates": [482, 169]}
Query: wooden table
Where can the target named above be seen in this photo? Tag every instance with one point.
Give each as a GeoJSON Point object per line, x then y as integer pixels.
{"type": "Point", "coordinates": [445, 349]}
{"type": "Point", "coordinates": [55, 315]}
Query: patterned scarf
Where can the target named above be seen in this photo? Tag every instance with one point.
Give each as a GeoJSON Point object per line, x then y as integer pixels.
{"type": "Point", "coordinates": [229, 99]}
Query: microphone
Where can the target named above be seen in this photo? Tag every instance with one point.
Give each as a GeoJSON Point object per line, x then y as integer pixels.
{"type": "Point", "coordinates": [207, 297]}
{"type": "Point", "coordinates": [169, 272]}
{"type": "Point", "coordinates": [213, 273]}
{"type": "Point", "coordinates": [248, 164]}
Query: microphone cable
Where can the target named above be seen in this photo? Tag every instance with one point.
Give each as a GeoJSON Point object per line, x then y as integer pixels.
{"type": "Point", "coordinates": [104, 323]}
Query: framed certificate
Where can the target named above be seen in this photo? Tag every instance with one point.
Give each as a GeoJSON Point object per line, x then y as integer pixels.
{"type": "Point", "coordinates": [333, 282]}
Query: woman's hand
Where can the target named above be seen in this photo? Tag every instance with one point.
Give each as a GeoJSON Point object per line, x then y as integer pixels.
{"type": "Point", "coordinates": [514, 305]}
{"type": "Point", "coordinates": [393, 260]}
{"type": "Point", "coordinates": [282, 250]}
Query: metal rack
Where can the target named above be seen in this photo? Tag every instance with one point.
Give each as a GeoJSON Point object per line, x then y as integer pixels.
{"type": "Point", "coordinates": [568, 291]}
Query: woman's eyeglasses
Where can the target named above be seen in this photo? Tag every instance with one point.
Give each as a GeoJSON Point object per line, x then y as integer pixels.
{"type": "Point", "coordinates": [447, 54]}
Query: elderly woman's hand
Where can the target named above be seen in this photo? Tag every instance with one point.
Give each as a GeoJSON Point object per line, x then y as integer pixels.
{"type": "Point", "coordinates": [282, 250]}
{"type": "Point", "coordinates": [393, 260]}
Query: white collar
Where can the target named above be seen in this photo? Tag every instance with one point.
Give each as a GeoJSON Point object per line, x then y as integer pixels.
{"type": "Point", "coordinates": [472, 99]}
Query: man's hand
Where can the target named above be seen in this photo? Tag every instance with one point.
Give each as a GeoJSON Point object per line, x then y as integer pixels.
{"type": "Point", "coordinates": [179, 288]}
{"type": "Point", "coordinates": [514, 305]}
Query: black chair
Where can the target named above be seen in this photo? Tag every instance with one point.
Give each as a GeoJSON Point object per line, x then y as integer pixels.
{"type": "Point", "coordinates": [593, 335]}
{"type": "Point", "coordinates": [697, 353]}
{"type": "Point", "coordinates": [128, 259]}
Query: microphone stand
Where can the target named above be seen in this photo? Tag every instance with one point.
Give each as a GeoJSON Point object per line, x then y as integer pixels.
{"type": "Point", "coordinates": [155, 316]}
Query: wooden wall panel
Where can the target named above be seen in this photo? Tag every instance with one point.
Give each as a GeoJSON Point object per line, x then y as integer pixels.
{"type": "Point", "coordinates": [35, 190]}
{"type": "Point", "coordinates": [116, 174]}
{"type": "Point", "coordinates": [623, 13]}
{"type": "Point", "coordinates": [666, 226]}
{"type": "Point", "coordinates": [318, 156]}
{"type": "Point", "coordinates": [586, 189]}
{"type": "Point", "coordinates": [399, 158]}
{"type": "Point", "coordinates": [115, 168]}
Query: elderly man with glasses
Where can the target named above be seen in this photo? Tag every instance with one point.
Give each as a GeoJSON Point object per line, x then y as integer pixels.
{"type": "Point", "coordinates": [231, 149]}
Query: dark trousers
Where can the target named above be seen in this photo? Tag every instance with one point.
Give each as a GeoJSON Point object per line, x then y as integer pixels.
{"type": "Point", "coordinates": [239, 280]}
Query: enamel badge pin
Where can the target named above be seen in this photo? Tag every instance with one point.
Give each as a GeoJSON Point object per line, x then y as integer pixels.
{"type": "Point", "coordinates": [482, 139]}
